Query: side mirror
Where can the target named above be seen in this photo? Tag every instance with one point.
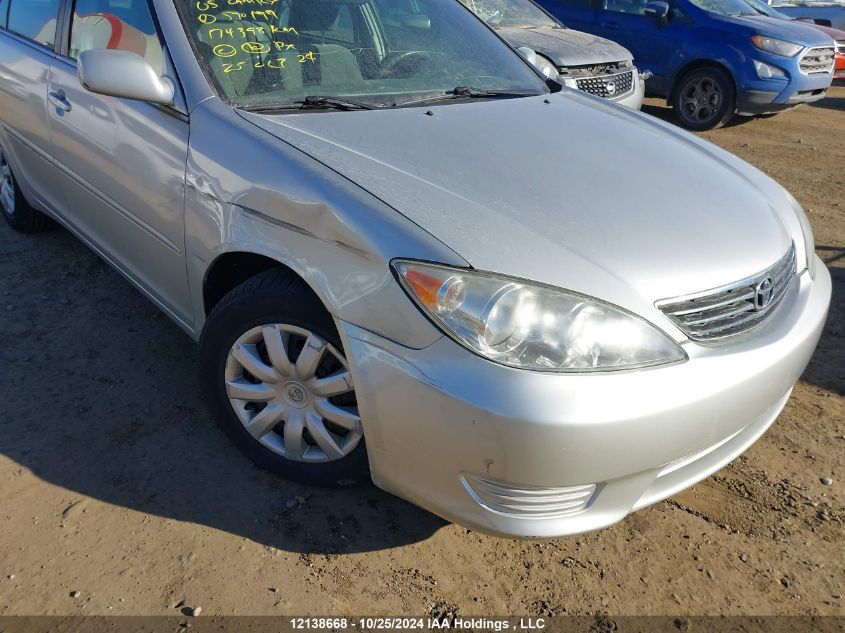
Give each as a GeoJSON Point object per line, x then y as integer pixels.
{"type": "Point", "coordinates": [528, 54]}
{"type": "Point", "coordinates": [123, 74]}
{"type": "Point", "coordinates": [658, 10]}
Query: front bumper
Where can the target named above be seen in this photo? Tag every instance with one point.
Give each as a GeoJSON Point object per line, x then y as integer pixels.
{"type": "Point", "coordinates": [767, 96]}
{"type": "Point", "coordinates": [753, 102]}
{"type": "Point", "coordinates": [471, 440]}
{"type": "Point", "coordinates": [632, 99]}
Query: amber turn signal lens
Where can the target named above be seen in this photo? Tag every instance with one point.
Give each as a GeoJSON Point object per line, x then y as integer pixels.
{"type": "Point", "coordinates": [426, 287]}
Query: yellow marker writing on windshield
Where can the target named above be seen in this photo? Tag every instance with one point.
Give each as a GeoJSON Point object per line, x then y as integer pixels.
{"type": "Point", "coordinates": [225, 50]}
{"type": "Point", "coordinates": [255, 48]}
{"type": "Point", "coordinates": [258, 2]}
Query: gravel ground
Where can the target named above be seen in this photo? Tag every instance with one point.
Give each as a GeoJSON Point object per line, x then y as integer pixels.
{"type": "Point", "coordinates": [119, 496]}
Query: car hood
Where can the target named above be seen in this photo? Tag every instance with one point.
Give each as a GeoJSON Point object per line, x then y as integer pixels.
{"type": "Point", "coordinates": [566, 190]}
{"type": "Point", "coordinates": [565, 47]}
{"type": "Point", "coordinates": [789, 30]}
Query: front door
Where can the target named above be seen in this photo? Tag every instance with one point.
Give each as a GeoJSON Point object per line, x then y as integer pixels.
{"type": "Point", "coordinates": [123, 162]}
{"type": "Point", "coordinates": [655, 47]}
{"type": "Point", "coordinates": [27, 49]}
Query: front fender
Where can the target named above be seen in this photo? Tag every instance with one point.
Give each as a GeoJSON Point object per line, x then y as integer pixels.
{"type": "Point", "coordinates": [250, 192]}
{"type": "Point", "coordinates": [731, 57]}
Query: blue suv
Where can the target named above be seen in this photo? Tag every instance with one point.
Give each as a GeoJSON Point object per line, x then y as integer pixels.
{"type": "Point", "coordinates": [711, 59]}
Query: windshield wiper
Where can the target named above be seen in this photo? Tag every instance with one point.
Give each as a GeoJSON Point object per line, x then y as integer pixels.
{"type": "Point", "coordinates": [313, 103]}
{"type": "Point", "coordinates": [336, 103]}
{"type": "Point", "coordinates": [340, 103]}
{"type": "Point", "coordinates": [468, 92]}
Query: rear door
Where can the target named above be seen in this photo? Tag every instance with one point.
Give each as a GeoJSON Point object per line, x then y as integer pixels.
{"type": "Point", "coordinates": [123, 162]}
{"type": "Point", "coordinates": [27, 42]}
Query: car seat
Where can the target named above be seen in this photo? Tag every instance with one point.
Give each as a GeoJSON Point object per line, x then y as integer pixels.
{"type": "Point", "coordinates": [315, 20]}
{"type": "Point", "coordinates": [102, 26]}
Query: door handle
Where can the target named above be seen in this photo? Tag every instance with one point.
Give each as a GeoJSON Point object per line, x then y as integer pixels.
{"type": "Point", "coordinates": [613, 26]}
{"type": "Point", "coordinates": [59, 100]}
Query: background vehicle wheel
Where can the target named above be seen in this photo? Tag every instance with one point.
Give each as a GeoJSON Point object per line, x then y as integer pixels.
{"type": "Point", "coordinates": [19, 215]}
{"type": "Point", "coordinates": [705, 98]}
{"type": "Point", "coordinates": [273, 371]}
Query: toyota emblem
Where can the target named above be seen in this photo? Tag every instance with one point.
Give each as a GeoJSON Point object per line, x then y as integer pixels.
{"type": "Point", "coordinates": [296, 394]}
{"type": "Point", "coordinates": [764, 293]}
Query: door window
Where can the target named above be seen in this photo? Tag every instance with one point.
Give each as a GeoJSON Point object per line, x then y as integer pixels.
{"type": "Point", "coordinates": [35, 19]}
{"type": "Point", "coordinates": [584, 4]}
{"type": "Point", "coordinates": [124, 25]}
{"type": "Point", "coordinates": [4, 10]}
{"type": "Point", "coordinates": [632, 7]}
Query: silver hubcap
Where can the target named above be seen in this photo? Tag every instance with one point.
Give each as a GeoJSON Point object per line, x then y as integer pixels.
{"type": "Point", "coordinates": [293, 392]}
{"type": "Point", "coordinates": [701, 99]}
{"type": "Point", "coordinates": [7, 186]}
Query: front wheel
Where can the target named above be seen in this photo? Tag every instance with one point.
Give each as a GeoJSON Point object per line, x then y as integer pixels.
{"type": "Point", "coordinates": [705, 98]}
{"type": "Point", "coordinates": [16, 211]}
{"type": "Point", "coordinates": [274, 374]}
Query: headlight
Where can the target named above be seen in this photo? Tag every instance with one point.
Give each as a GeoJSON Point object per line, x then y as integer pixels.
{"type": "Point", "coordinates": [776, 47]}
{"type": "Point", "coordinates": [807, 230]}
{"type": "Point", "coordinates": [546, 67]}
{"type": "Point", "coordinates": [569, 82]}
{"type": "Point", "coordinates": [519, 324]}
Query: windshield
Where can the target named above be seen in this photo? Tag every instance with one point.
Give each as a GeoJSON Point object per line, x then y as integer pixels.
{"type": "Point", "coordinates": [726, 7]}
{"type": "Point", "coordinates": [761, 7]}
{"type": "Point", "coordinates": [510, 13]}
{"type": "Point", "coordinates": [379, 52]}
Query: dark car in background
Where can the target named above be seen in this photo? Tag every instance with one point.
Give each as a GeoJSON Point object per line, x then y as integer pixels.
{"type": "Point", "coordinates": [824, 13]}
{"type": "Point", "coordinates": [712, 59]}
{"type": "Point", "coordinates": [579, 60]}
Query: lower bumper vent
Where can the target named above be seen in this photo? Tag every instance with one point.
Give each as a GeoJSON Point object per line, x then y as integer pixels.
{"type": "Point", "coordinates": [527, 502]}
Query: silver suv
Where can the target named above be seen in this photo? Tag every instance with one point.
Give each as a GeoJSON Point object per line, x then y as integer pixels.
{"type": "Point", "coordinates": [540, 311]}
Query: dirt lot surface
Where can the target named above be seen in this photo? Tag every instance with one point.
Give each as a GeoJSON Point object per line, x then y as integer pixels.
{"type": "Point", "coordinates": [115, 484]}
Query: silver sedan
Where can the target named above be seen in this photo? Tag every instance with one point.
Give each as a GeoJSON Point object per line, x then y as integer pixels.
{"type": "Point", "coordinates": [406, 255]}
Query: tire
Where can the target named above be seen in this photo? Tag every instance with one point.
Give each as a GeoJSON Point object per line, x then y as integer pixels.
{"type": "Point", "coordinates": [16, 210]}
{"type": "Point", "coordinates": [704, 99]}
{"type": "Point", "coordinates": [256, 351]}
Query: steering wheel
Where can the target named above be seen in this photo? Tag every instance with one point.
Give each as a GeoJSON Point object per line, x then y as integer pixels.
{"type": "Point", "coordinates": [404, 64]}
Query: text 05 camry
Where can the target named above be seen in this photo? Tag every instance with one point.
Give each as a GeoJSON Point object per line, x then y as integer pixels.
{"type": "Point", "coordinates": [406, 254]}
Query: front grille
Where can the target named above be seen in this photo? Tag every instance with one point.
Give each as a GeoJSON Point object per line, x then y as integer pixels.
{"type": "Point", "coordinates": [528, 502]}
{"type": "Point", "coordinates": [608, 86]}
{"type": "Point", "coordinates": [732, 309]}
{"type": "Point", "coordinates": [817, 60]}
